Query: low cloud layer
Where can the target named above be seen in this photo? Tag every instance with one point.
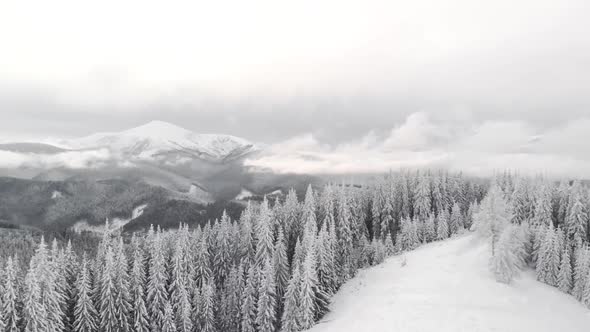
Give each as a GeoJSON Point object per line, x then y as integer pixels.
{"type": "Point", "coordinates": [69, 159]}
{"type": "Point", "coordinates": [421, 141]}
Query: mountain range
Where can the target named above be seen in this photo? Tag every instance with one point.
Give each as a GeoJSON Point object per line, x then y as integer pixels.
{"type": "Point", "coordinates": [174, 172]}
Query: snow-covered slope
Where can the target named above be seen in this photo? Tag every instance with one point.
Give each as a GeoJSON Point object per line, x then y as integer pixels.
{"type": "Point", "coordinates": [158, 139]}
{"type": "Point", "coordinates": [446, 286]}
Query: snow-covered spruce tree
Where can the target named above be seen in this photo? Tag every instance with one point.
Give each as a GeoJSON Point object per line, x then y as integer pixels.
{"type": "Point", "coordinates": [377, 202]}
{"type": "Point", "coordinates": [168, 324]}
{"type": "Point", "coordinates": [306, 292]}
{"type": "Point", "coordinates": [387, 216]}
{"type": "Point", "coordinates": [208, 308]}
{"type": "Point", "coordinates": [326, 267]}
{"type": "Point", "coordinates": [54, 288]}
{"type": "Point", "coordinates": [429, 229]}
{"type": "Point", "coordinates": [493, 215]}
{"type": "Point", "coordinates": [345, 240]}
{"type": "Point", "coordinates": [577, 219]}
{"type": "Point", "coordinates": [222, 251]}
{"type": "Point", "coordinates": [389, 247]}
{"type": "Point", "coordinates": [422, 198]}
{"type": "Point", "coordinates": [157, 295]}
{"type": "Point", "coordinates": [442, 227]}
{"type": "Point", "coordinates": [543, 207]}
{"type": "Point", "coordinates": [548, 261]}
{"type": "Point", "coordinates": [564, 278]}
{"type": "Point", "coordinates": [138, 290]}
{"type": "Point", "coordinates": [280, 265]}
{"type": "Point", "coordinates": [179, 294]}
{"type": "Point", "coordinates": [308, 212]}
{"type": "Point", "coordinates": [437, 197]}
{"type": "Point", "coordinates": [107, 306]}
{"type": "Point", "coordinates": [378, 252]}
{"type": "Point", "coordinates": [521, 202]}
{"type": "Point", "coordinates": [581, 271]}
{"type": "Point", "coordinates": [455, 222]}
{"type": "Point", "coordinates": [264, 234]}
{"type": "Point", "coordinates": [246, 242]}
{"type": "Point", "coordinates": [586, 292]}
{"type": "Point", "coordinates": [10, 310]}
{"type": "Point", "coordinates": [231, 300]}
{"type": "Point", "coordinates": [86, 316]}
{"type": "Point", "coordinates": [266, 306]}
{"type": "Point", "coordinates": [202, 267]}
{"type": "Point", "coordinates": [121, 282]}
{"type": "Point", "coordinates": [508, 259]}
{"type": "Point", "coordinates": [250, 300]}
{"type": "Point", "coordinates": [34, 311]}
{"type": "Point", "coordinates": [70, 271]}
{"type": "Point", "coordinates": [290, 321]}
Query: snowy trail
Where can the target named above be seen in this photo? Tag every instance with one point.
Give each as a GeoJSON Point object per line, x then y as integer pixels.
{"type": "Point", "coordinates": [446, 286]}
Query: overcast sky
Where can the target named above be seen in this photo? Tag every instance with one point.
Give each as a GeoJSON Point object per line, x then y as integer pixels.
{"type": "Point", "coordinates": [331, 72]}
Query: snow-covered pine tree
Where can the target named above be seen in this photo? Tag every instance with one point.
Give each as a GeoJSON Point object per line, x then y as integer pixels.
{"type": "Point", "coordinates": [230, 307]}
{"type": "Point", "coordinates": [493, 215]}
{"type": "Point", "coordinates": [437, 197]}
{"type": "Point", "coordinates": [250, 300]}
{"type": "Point", "coordinates": [564, 278]}
{"type": "Point", "coordinates": [377, 202]}
{"type": "Point", "coordinates": [429, 229]}
{"type": "Point", "coordinates": [246, 242]}
{"type": "Point", "coordinates": [325, 268]}
{"type": "Point", "coordinates": [168, 324]}
{"type": "Point", "coordinates": [70, 271]}
{"type": "Point", "coordinates": [543, 208]}
{"type": "Point", "coordinates": [208, 308]}
{"type": "Point", "coordinates": [308, 212]}
{"type": "Point", "coordinates": [121, 282]}
{"type": "Point", "coordinates": [290, 321]}
{"type": "Point", "coordinates": [306, 292]}
{"type": "Point", "coordinates": [157, 295]}
{"type": "Point", "coordinates": [455, 222]}
{"type": "Point", "coordinates": [266, 306]}
{"type": "Point", "coordinates": [281, 265]}
{"type": "Point", "coordinates": [264, 234]}
{"type": "Point", "coordinates": [345, 240]}
{"type": "Point", "coordinates": [508, 257]}
{"type": "Point", "coordinates": [442, 227]}
{"type": "Point", "coordinates": [548, 261]}
{"type": "Point", "coordinates": [387, 217]}
{"type": "Point", "coordinates": [581, 271]}
{"type": "Point", "coordinates": [389, 247]}
{"type": "Point", "coordinates": [107, 307]}
{"type": "Point", "coordinates": [10, 310]}
{"type": "Point", "coordinates": [85, 313]}
{"type": "Point", "coordinates": [521, 202]}
{"type": "Point", "coordinates": [577, 219]}
{"type": "Point", "coordinates": [138, 290]}
{"type": "Point", "coordinates": [202, 270]}
{"type": "Point", "coordinates": [422, 198]}
{"type": "Point", "coordinates": [179, 294]}
{"type": "Point", "coordinates": [34, 312]}
{"type": "Point", "coordinates": [53, 288]}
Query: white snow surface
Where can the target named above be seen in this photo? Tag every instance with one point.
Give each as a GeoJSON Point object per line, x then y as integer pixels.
{"type": "Point", "coordinates": [158, 137]}
{"type": "Point", "coordinates": [114, 224]}
{"type": "Point", "coordinates": [244, 193]}
{"type": "Point", "coordinates": [446, 286]}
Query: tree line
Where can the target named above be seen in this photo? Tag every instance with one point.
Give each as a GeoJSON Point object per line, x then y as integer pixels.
{"type": "Point", "coordinates": [540, 224]}
{"type": "Point", "coordinates": [274, 269]}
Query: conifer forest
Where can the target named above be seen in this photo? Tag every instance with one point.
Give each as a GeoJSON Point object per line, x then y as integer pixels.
{"type": "Point", "coordinates": [277, 266]}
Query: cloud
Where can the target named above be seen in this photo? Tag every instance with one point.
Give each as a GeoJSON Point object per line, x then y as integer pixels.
{"type": "Point", "coordinates": [479, 149]}
{"type": "Point", "coordinates": [69, 159]}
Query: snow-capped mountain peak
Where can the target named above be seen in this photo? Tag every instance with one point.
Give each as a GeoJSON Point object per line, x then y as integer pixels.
{"type": "Point", "coordinates": [159, 139]}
